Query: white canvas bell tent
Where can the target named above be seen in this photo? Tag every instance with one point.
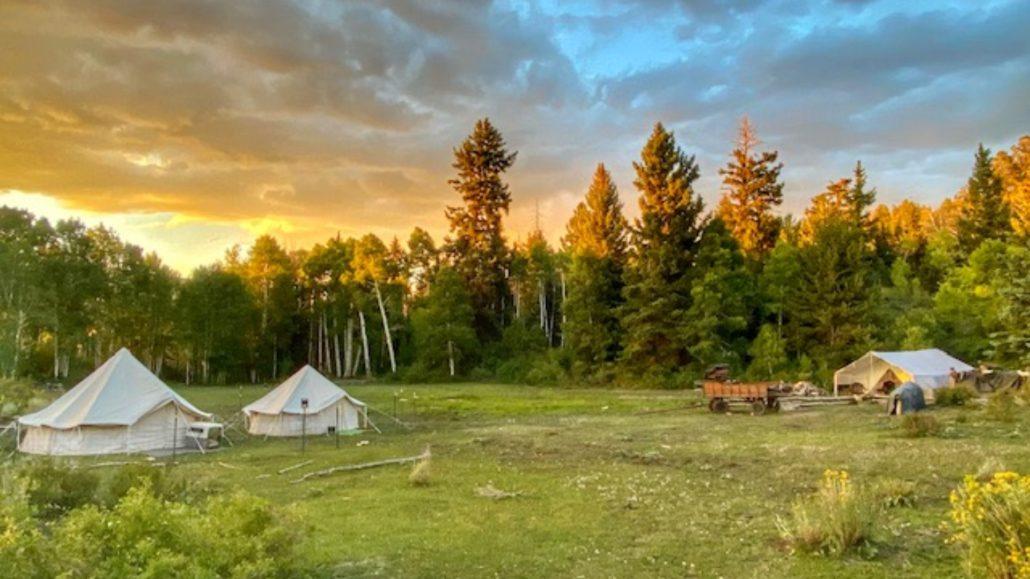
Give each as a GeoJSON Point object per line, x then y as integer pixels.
{"type": "Point", "coordinates": [330, 408]}
{"type": "Point", "coordinates": [120, 408]}
{"type": "Point", "coordinates": [929, 369]}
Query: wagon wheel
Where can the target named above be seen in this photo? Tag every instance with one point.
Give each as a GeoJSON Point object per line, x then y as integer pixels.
{"type": "Point", "coordinates": [758, 407]}
{"type": "Point", "coordinates": [718, 405]}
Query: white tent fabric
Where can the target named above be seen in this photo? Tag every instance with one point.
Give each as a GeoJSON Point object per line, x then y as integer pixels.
{"type": "Point", "coordinates": [120, 407]}
{"type": "Point", "coordinates": [279, 413]}
{"type": "Point", "coordinates": [930, 369]}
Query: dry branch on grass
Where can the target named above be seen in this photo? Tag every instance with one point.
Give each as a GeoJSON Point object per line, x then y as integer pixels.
{"type": "Point", "coordinates": [295, 467]}
{"type": "Point", "coordinates": [117, 463]}
{"type": "Point", "coordinates": [351, 467]}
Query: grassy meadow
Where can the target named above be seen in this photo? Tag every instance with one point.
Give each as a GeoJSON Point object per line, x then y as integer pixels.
{"type": "Point", "coordinates": [608, 483]}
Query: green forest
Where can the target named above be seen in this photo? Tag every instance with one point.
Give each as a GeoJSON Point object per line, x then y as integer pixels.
{"type": "Point", "coordinates": [648, 302]}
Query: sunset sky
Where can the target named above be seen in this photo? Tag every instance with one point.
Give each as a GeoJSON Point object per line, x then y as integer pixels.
{"type": "Point", "coordinates": [189, 126]}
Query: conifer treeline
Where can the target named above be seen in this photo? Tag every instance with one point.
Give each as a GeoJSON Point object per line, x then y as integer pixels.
{"type": "Point", "coordinates": [649, 302]}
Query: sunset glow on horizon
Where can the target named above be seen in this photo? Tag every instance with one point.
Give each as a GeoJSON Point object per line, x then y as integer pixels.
{"type": "Point", "coordinates": [189, 127]}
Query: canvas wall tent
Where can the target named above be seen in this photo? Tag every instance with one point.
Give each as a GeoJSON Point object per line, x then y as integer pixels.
{"type": "Point", "coordinates": [280, 413]}
{"type": "Point", "coordinates": [120, 408]}
{"type": "Point", "coordinates": [929, 369]}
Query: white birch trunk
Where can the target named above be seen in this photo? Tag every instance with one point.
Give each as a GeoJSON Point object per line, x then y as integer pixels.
{"type": "Point", "coordinates": [386, 327]}
{"type": "Point", "coordinates": [450, 356]}
{"type": "Point", "coordinates": [336, 345]}
{"type": "Point", "coordinates": [348, 348]}
{"type": "Point", "coordinates": [563, 321]}
{"type": "Point", "coordinates": [364, 343]}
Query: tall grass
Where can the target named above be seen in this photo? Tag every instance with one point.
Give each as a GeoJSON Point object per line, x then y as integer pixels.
{"type": "Point", "coordinates": [835, 520]}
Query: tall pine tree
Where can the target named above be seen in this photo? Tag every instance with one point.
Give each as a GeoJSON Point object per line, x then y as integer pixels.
{"type": "Point", "coordinates": [985, 214]}
{"type": "Point", "coordinates": [476, 245]}
{"type": "Point", "coordinates": [665, 243]}
{"type": "Point", "coordinates": [596, 240]}
{"type": "Point", "coordinates": [860, 198]}
{"type": "Point", "coordinates": [752, 189]}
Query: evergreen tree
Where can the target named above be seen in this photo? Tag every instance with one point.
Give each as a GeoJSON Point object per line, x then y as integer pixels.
{"type": "Point", "coordinates": [720, 293]}
{"type": "Point", "coordinates": [967, 306]}
{"type": "Point", "coordinates": [768, 355]}
{"type": "Point", "coordinates": [1011, 342]}
{"type": "Point", "coordinates": [665, 243]}
{"type": "Point", "coordinates": [476, 246]}
{"type": "Point", "coordinates": [752, 189]}
{"type": "Point", "coordinates": [778, 281]}
{"type": "Point", "coordinates": [442, 325]}
{"type": "Point", "coordinates": [831, 301]}
{"type": "Point", "coordinates": [595, 239]}
{"type": "Point", "coordinates": [985, 214]}
{"type": "Point", "coordinates": [860, 198]}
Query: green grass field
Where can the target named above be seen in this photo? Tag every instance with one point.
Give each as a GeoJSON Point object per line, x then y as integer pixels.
{"type": "Point", "coordinates": [610, 483]}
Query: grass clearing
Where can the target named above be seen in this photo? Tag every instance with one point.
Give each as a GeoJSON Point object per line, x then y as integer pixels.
{"type": "Point", "coordinates": [603, 483]}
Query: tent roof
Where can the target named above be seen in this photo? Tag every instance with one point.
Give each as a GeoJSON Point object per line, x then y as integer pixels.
{"type": "Point", "coordinates": [929, 368]}
{"type": "Point", "coordinates": [119, 392]}
{"type": "Point", "coordinates": [306, 383]}
{"type": "Point", "coordinates": [930, 362]}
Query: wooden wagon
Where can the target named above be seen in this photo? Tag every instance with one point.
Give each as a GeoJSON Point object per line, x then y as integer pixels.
{"type": "Point", "coordinates": [760, 397]}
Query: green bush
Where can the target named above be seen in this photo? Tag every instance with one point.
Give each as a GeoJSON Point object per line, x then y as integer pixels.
{"type": "Point", "coordinates": [53, 488]}
{"type": "Point", "coordinates": [161, 483]}
{"type": "Point", "coordinates": [837, 519]}
{"type": "Point", "coordinates": [919, 425]}
{"type": "Point", "coordinates": [24, 550]}
{"type": "Point", "coordinates": [954, 395]}
{"type": "Point", "coordinates": [145, 536]}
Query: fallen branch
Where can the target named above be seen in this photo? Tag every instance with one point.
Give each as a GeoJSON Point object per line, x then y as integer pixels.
{"type": "Point", "coordinates": [350, 467]}
{"type": "Point", "coordinates": [295, 467]}
{"type": "Point", "coordinates": [229, 466]}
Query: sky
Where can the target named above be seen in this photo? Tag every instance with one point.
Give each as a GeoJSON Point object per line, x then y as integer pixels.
{"type": "Point", "coordinates": [189, 126]}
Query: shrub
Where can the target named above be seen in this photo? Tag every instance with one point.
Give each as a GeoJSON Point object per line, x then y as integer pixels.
{"type": "Point", "coordinates": [133, 475]}
{"type": "Point", "coordinates": [991, 522]}
{"type": "Point", "coordinates": [894, 492]}
{"type": "Point", "coordinates": [143, 535]}
{"type": "Point", "coordinates": [1001, 406]}
{"type": "Point", "coordinates": [53, 488]}
{"type": "Point", "coordinates": [421, 473]}
{"type": "Point", "coordinates": [24, 551]}
{"type": "Point", "coordinates": [919, 425]}
{"type": "Point", "coordinates": [954, 395]}
{"type": "Point", "coordinates": [835, 520]}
